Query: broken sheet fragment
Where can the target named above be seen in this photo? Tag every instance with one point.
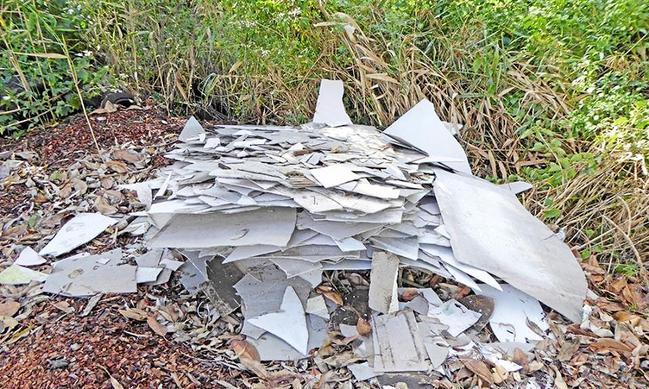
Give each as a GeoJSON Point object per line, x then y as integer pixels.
{"type": "Point", "coordinates": [330, 109]}
{"type": "Point", "coordinates": [397, 343]}
{"type": "Point", "coordinates": [18, 275]}
{"type": "Point", "coordinates": [79, 230]}
{"type": "Point", "coordinates": [291, 311]}
{"type": "Point", "coordinates": [514, 315]}
{"type": "Point", "coordinates": [490, 230]}
{"type": "Point", "coordinates": [265, 226]}
{"type": "Point", "coordinates": [383, 296]}
{"type": "Point", "coordinates": [29, 257]}
{"type": "Point", "coordinates": [422, 129]}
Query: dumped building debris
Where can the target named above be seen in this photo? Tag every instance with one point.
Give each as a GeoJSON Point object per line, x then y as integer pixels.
{"type": "Point", "coordinates": [254, 216]}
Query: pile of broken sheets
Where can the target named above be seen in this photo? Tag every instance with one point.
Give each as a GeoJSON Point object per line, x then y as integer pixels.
{"type": "Point", "coordinates": [269, 209]}
{"type": "Point", "coordinates": [261, 213]}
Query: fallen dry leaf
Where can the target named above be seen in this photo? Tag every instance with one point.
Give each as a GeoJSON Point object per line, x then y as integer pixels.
{"type": "Point", "coordinates": [243, 349]}
{"type": "Point", "coordinates": [363, 327]}
{"type": "Point", "coordinates": [568, 349]}
{"type": "Point", "coordinates": [249, 357]}
{"type": "Point", "coordinates": [331, 294]}
{"type": "Point", "coordinates": [155, 325]}
{"type": "Point", "coordinates": [480, 369]}
{"type": "Point", "coordinates": [103, 207]}
{"type": "Point", "coordinates": [134, 313]}
{"type": "Point", "coordinates": [610, 344]}
{"type": "Point", "coordinates": [9, 308]}
{"type": "Point", "coordinates": [409, 294]}
{"type": "Point", "coordinates": [126, 155]}
{"type": "Point", "coordinates": [520, 357]}
{"type": "Point", "coordinates": [117, 166]}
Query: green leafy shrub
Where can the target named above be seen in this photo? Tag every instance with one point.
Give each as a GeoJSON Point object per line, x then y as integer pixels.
{"type": "Point", "coordinates": [43, 44]}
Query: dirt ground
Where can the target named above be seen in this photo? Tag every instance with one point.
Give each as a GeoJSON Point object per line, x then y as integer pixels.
{"type": "Point", "coordinates": [51, 342]}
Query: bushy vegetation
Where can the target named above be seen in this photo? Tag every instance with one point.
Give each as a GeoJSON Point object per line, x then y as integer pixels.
{"type": "Point", "coordinates": [552, 91]}
{"type": "Point", "coordinates": [44, 57]}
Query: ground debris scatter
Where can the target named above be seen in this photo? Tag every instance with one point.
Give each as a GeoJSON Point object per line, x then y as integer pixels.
{"type": "Point", "coordinates": [315, 255]}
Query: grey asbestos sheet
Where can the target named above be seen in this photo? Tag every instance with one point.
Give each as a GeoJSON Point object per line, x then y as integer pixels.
{"type": "Point", "coordinates": [397, 342]}
{"type": "Point", "coordinates": [273, 226]}
{"type": "Point", "coordinates": [383, 283]}
{"type": "Point", "coordinates": [491, 230]}
{"type": "Point", "coordinates": [329, 107]}
{"type": "Point", "coordinates": [421, 128]}
{"type": "Point", "coordinates": [88, 278]}
{"type": "Point", "coordinates": [81, 229]}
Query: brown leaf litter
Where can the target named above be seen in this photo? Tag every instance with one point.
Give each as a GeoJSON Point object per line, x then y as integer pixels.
{"type": "Point", "coordinates": [126, 342]}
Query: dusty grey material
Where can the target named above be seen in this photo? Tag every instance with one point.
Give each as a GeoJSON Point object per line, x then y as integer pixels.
{"type": "Point", "coordinates": [192, 131]}
{"type": "Point", "coordinates": [147, 274]}
{"type": "Point", "coordinates": [81, 229]}
{"type": "Point", "coordinates": [149, 259]}
{"type": "Point", "coordinates": [383, 283]}
{"type": "Point", "coordinates": [316, 306]}
{"type": "Point", "coordinates": [220, 286]}
{"type": "Point", "coordinates": [18, 275]}
{"type": "Point", "coordinates": [362, 371]}
{"type": "Point", "coordinates": [272, 348]}
{"type": "Point", "coordinates": [437, 353]}
{"type": "Point", "coordinates": [87, 277]}
{"type": "Point", "coordinates": [109, 258]}
{"type": "Point", "coordinates": [418, 304]}
{"type": "Point", "coordinates": [421, 128]}
{"type": "Point", "coordinates": [334, 175]}
{"type": "Point", "coordinates": [491, 230]}
{"type": "Point", "coordinates": [267, 226]}
{"type": "Point", "coordinates": [329, 107]}
{"type": "Point", "coordinates": [517, 187]}
{"type": "Point", "coordinates": [513, 310]}
{"type": "Point", "coordinates": [398, 346]}
{"type": "Point", "coordinates": [455, 315]}
{"type": "Point", "coordinates": [29, 257]}
{"type": "Point", "coordinates": [291, 311]}
{"type": "Point", "coordinates": [261, 290]}
{"type": "Point", "coordinates": [193, 273]}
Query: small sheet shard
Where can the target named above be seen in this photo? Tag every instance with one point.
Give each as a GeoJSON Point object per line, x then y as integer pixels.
{"type": "Point", "coordinates": [489, 229]}
{"type": "Point", "coordinates": [398, 346]}
{"type": "Point", "coordinates": [334, 175]}
{"type": "Point", "coordinates": [192, 131]}
{"type": "Point", "coordinates": [422, 129]}
{"type": "Point", "coordinates": [383, 296]}
{"type": "Point", "coordinates": [273, 226]}
{"type": "Point", "coordinates": [29, 257]}
{"type": "Point", "coordinates": [513, 310]}
{"type": "Point", "coordinates": [90, 275]}
{"type": "Point", "coordinates": [79, 230]}
{"type": "Point", "coordinates": [277, 323]}
{"type": "Point", "coordinates": [329, 108]}
{"type": "Point", "coordinates": [456, 316]}
{"type": "Point", "coordinates": [18, 275]}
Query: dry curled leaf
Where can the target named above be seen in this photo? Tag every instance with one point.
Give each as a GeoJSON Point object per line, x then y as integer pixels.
{"type": "Point", "coordinates": [610, 345]}
{"type": "Point", "coordinates": [126, 155]}
{"type": "Point", "coordinates": [249, 357]}
{"type": "Point", "coordinates": [117, 166]}
{"type": "Point", "coordinates": [9, 308]}
{"type": "Point", "coordinates": [479, 368]}
{"type": "Point", "coordinates": [409, 294]}
{"type": "Point", "coordinates": [134, 313]}
{"type": "Point", "coordinates": [104, 207]}
{"type": "Point", "coordinates": [243, 349]}
{"type": "Point", "coordinates": [363, 327]}
{"type": "Point", "coordinates": [155, 325]}
{"type": "Point", "coordinates": [329, 293]}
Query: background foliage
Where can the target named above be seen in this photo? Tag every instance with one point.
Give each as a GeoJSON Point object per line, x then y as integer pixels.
{"type": "Point", "coordinates": [552, 91]}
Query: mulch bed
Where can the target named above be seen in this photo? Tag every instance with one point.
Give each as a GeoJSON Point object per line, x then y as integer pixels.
{"type": "Point", "coordinates": [67, 350]}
